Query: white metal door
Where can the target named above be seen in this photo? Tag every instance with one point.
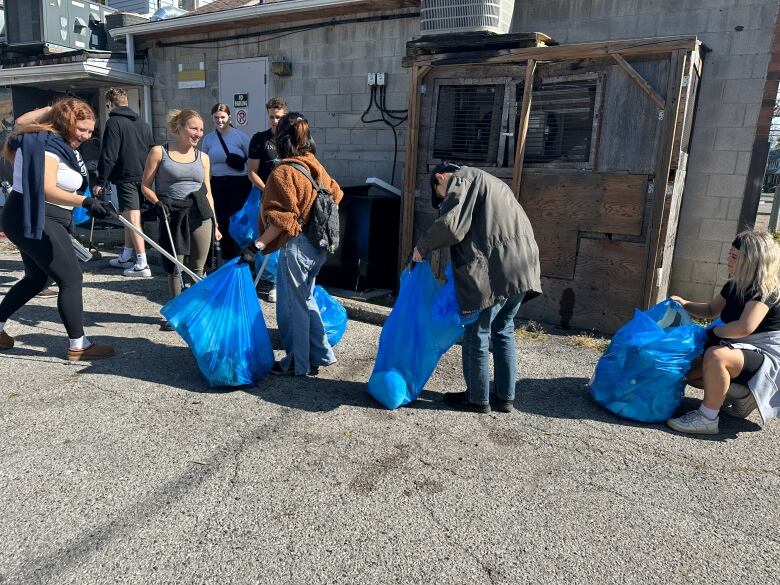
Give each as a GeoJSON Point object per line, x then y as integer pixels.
{"type": "Point", "coordinates": [243, 87]}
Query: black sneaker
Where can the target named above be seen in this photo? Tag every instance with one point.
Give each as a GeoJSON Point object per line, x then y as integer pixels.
{"type": "Point", "coordinates": [503, 405]}
{"type": "Point", "coordinates": [277, 370]}
{"type": "Point", "coordinates": [460, 401]}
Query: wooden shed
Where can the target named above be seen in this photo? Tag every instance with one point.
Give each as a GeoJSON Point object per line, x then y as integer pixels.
{"type": "Point", "coordinates": [592, 137]}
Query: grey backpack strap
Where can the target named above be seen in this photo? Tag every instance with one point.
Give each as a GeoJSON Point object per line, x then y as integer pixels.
{"type": "Point", "coordinates": [302, 169]}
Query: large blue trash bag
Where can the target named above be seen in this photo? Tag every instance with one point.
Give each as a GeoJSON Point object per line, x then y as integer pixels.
{"type": "Point", "coordinates": [641, 376]}
{"type": "Point", "coordinates": [80, 214]}
{"type": "Point", "coordinates": [243, 227]}
{"type": "Point", "coordinates": [424, 323]}
{"type": "Point", "coordinates": [333, 313]}
{"type": "Point", "coordinates": [220, 319]}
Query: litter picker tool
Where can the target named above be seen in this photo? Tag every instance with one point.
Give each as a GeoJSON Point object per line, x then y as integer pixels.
{"type": "Point", "coordinates": [262, 269]}
{"type": "Point", "coordinates": [96, 255]}
{"type": "Point", "coordinates": [155, 245]}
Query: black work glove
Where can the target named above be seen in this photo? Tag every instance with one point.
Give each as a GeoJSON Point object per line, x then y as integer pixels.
{"type": "Point", "coordinates": [96, 208]}
{"type": "Point", "coordinates": [249, 254]}
{"type": "Point", "coordinates": [163, 211]}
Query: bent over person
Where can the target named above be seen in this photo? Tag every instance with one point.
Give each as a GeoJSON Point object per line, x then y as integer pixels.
{"type": "Point", "coordinates": [495, 261]}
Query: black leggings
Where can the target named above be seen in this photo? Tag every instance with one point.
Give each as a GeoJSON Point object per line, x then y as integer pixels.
{"type": "Point", "coordinates": [753, 362]}
{"type": "Point", "coordinates": [51, 256]}
{"type": "Point", "coordinates": [230, 193]}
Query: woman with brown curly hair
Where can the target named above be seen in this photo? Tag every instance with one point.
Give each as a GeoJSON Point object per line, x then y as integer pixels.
{"type": "Point", "coordinates": [38, 214]}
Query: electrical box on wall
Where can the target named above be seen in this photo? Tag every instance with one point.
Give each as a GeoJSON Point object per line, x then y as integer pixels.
{"type": "Point", "coordinates": [65, 25]}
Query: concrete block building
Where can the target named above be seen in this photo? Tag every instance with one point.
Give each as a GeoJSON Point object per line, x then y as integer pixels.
{"type": "Point", "coordinates": [318, 53]}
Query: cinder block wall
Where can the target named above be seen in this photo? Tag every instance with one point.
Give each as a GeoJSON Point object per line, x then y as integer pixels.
{"type": "Point", "coordinates": [328, 85]}
{"type": "Point", "coordinates": [739, 35]}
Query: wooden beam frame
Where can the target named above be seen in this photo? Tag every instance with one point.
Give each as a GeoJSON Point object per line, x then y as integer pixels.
{"type": "Point", "coordinates": [574, 51]}
{"type": "Point", "coordinates": [416, 75]}
{"type": "Point", "coordinates": [641, 82]}
{"type": "Point", "coordinates": [522, 127]}
{"type": "Point", "coordinates": [662, 169]}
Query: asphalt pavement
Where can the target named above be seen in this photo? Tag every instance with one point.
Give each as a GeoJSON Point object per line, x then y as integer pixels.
{"type": "Point", "coordinates": [131, 470]}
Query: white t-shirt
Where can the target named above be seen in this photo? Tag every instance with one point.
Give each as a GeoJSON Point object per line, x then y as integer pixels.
{"type": "Point", "coordinates": [67, 179]}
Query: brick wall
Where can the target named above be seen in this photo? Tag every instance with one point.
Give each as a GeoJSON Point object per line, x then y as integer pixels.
{"type": "Point", "coordinates": [739, 35]}
{"type": "Point", "coordinates": [328, 85]}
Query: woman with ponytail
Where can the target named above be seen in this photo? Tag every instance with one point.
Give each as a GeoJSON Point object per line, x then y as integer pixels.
{"type": "Point", "coordinates": [38, 214]}
{"type": "Point", "coordinates": [286, 209]}
{"type": "Point", "coordinates": [742, 356]}
{"type": "Point", "coordinates": [177, 182]}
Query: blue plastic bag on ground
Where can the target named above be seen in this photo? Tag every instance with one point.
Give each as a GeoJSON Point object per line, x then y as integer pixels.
{"type": "Point", "coordinates": [641, 376]}
{"type": "Point", "coordinates": [80, 214]}
{"type": "Point", "coordinates": [333, 313]}
{"type": "Point", "coordinates": [243, 227]}
{"type": "Point", "coordinates": [220, 319]}
{"type": "Point", "coordinates": [424, 323]}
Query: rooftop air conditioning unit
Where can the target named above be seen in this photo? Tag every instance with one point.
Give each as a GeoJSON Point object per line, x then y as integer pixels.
{"type": "Point", "coordinates": [64, 25]}
{"type": "Point", "coordinates": [438, 17]}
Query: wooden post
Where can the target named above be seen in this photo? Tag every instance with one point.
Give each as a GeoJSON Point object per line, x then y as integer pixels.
{"type": "Point", "coordinates": [416, 74]}
{"type": "Point", "coordinates": [662, 168]}
{"type": "Point", "coordinates": [522, 127]}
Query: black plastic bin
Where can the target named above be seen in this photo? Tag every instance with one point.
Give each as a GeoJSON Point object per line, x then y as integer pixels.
{"type": "Point", "coordinates": [367, 257]}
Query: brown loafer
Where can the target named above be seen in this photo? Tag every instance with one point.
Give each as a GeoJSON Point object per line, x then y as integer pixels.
{"type": "Point", "coordinates": [6, 341]}
{"type": "Point", "coordinates": [93, 352]}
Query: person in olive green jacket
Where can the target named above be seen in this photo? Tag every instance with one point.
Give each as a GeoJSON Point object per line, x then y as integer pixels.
{"type": "Point", "coordinates": [495, 261]}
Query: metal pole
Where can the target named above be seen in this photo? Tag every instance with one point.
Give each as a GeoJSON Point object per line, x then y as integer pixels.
{"type": "Point", "coordinates": [173, 249]}
{"type": "Point", "coordinates": [262, 267]}
{"type": "Point", "coordinates": [157, 247]}
{"type": "Point", "coordinates": [775, 214]}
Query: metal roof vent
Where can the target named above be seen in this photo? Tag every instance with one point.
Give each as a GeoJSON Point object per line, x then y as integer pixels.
{"type": "Point", "coordinates": [456, 16]}
{"type": "Point", "coordinates": [167, 12]}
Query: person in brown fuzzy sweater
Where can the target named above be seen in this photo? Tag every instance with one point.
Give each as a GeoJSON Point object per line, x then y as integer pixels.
{"type": "Point", "coordinates": [286, 208]}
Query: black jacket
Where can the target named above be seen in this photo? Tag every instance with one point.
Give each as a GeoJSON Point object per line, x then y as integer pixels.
{"type": "Point", "coordinates": [126, 142]}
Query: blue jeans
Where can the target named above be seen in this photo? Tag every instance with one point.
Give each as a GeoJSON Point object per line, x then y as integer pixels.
{"type": "Point", "coordinates": [297, 315]}
{"type": "Point", "coordinates": [496, 322]}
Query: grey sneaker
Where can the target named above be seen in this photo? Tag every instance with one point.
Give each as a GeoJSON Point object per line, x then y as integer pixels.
{"type": "Point", "coordinates": [136, 271]}
{"type": "Point", "coordinates": [119, 263]}
{"type": "Point", "coordinates": [740, 407]}
{"type": "Point", "coordinates": [694, 423]}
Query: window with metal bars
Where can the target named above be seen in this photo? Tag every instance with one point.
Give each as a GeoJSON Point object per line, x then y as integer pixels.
{"type": "Point", "coordinates": [468, 123]}
{"type": "Point", "coordinates": [560, 125]}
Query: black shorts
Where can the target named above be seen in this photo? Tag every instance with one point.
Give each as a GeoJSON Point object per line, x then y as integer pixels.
{"type": "Point", "coordinates": [753, 361]}
{"type": "Point", "coordinates": [129, 196]}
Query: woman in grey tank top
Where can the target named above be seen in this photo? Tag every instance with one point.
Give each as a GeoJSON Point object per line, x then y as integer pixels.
{"type": "Point", "coordinates": [176, 181]}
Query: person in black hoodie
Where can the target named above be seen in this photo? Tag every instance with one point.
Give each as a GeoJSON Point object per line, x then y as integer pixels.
{"type": "Point", "coordinates": [127, 141]}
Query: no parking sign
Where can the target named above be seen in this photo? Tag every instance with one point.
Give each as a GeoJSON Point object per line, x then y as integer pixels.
{"type": "Point", "coordinates": [241, 117]}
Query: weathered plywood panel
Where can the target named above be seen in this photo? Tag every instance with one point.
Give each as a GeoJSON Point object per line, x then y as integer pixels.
{"type": "Point", "coordinates": [631, 127]}
{"type": "Point", "coordinates": [603, 293]}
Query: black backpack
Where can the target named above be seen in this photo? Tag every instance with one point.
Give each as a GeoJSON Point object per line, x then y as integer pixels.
{"type": "Point", "coordinates": [323, 226]}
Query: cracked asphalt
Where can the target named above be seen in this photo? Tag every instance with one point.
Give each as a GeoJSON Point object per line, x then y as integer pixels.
{"type": "Point", "coordinates": [131, 470]}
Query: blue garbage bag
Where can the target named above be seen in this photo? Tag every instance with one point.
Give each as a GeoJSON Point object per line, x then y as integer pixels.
{"type": "Point", "coordinates": [221, 321]}
{"type": "Point", "coordinates": [424, 323]}
{"type": "Point", "coordinates": [333, 313]}
{"type": "Point", "coordinates": [80, 214]}
{"type": "Point", "coordinates": [243, 227]}
{"type": "Point", "coordinates": [641, 376]}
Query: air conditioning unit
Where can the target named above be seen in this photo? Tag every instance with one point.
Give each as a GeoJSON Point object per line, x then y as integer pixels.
{"type": "Point", "coordinates": [438, 17]}
{"type": "Point", "coordinates": [63, 24]}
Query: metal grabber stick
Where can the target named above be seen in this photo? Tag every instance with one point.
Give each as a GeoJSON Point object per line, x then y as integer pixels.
{"type": "Point", "coordinates": [262, 269]}
{"type": "Point", "coordinates": [154, 244]}
{"type": "Point", "coordinates": [173, 248]}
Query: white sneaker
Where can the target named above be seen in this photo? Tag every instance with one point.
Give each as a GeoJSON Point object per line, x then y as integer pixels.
{"type": "Point", "coordinates": [695, 423]}
{"type": "Point", "coordinates": [137, 271]}
{"type": "Point", "coordinates": [272, 295]}
{"type": "Point", "coordinates": [119, 263]}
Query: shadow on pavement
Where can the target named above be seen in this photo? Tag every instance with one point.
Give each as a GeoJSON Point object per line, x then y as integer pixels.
{"type": "Point", "coordinates": [569, 398]}
{"type": "Point", "coordinates": [313, 393]}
